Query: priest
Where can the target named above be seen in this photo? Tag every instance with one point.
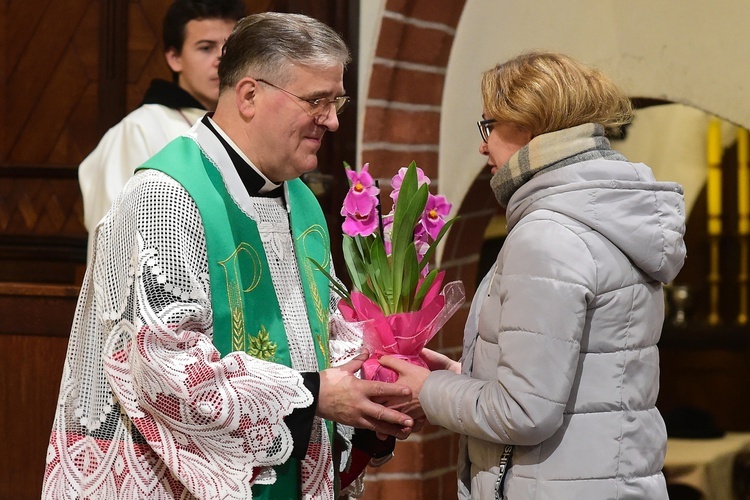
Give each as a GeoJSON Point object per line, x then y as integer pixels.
{"type": "Point", "coordinates": [201, 361]}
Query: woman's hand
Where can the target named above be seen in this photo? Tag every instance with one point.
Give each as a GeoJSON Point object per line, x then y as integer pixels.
{"type": "Point", "coordinates": [411, 376]}
{"type": "Point", "coordinates": [437, 361]}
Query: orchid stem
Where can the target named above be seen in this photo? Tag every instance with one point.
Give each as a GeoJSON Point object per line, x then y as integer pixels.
{"type": "Point", "coordinates": [380, 210]}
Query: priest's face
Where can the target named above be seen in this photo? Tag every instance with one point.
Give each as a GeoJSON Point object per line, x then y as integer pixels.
{"type": "Point", "coordinates": [197, 63]}
{"type": "Point", "coordinates": [290, 127]}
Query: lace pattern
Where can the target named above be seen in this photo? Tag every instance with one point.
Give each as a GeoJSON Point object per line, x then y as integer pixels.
{"type": "Point", "coordinates": [147, 408]}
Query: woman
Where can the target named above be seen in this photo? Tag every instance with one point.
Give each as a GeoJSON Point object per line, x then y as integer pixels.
{"type": "Point", "coordinates": [560, 357]}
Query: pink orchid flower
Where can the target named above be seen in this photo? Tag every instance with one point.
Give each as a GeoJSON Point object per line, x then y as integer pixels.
{"type": "Point", "coordinates": [398, 179]}
{"type": "Point", "coordinates": [416, 231]}
{"type": "Point", "coordinates": [357, 224]}
{"type": "Point", "coordinates": [421, 241]}
{"type": "Point", "coordinates": [435, 211]}
{"type": "Point", "coordinates": [363, 194]}
{"type": "Point", "coordinates": [388, 232]}
{"type": "Point", "coordinates": [422, 245]}
{"type": "Point", "coordinates": [360, 207]}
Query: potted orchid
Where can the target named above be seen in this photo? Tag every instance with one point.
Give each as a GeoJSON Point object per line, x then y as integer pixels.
{"type": "Point", "coordinates": [397, 298]}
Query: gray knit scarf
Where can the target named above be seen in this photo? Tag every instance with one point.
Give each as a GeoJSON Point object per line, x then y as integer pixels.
{"type": "Point", "coordinates": [548, 152]}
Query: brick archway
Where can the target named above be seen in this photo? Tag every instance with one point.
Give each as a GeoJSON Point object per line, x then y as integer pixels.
{"type": "Point", "coordinates": [402, 124]}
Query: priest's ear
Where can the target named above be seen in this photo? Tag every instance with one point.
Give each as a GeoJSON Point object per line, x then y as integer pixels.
{"type": "Point", "coordinates": [244, 95]}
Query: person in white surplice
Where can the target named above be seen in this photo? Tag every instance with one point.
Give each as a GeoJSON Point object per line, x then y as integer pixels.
{"type": "Point", "coordinates": [207, 358]}
{"type": "Point", "coordinates": [193, 34]}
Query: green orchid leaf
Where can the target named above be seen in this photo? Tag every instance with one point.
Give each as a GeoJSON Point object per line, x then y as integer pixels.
{"type": "Point", "coordinates": [378, 291]}
{"type": "Point", "coordinates": [411, 278]}
{"type": "Point", "coordinates": [408, 214]}
{"type": "Point", "coordinates": [403, 227]}
{"type": "Point", "coordinates": [355, 262]}
{"type": "Point", "coordinates": [424, 288]}
{"type": "Point", "coordinates": [382, 267]}
{"type": "Point", "coordinates": [411, 201]}
{"type": "Point", "coordinates": [433, 246]}
{"type": "Point", "coordinates": [335, 285]}
{"type": "Point", "coordinates": [372, 286]}
{"type": "Point", "coordinates": [368, 284]}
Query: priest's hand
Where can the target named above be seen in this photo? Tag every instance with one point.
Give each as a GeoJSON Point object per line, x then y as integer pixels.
{"type": "Point", "coordinates": [346, 399]}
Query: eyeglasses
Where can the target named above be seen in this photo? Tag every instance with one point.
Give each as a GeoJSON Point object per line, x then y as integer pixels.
{"type": "Point", "coordinates": [319, 106]}
{"type": "Point", "coordinates": [485, 128]}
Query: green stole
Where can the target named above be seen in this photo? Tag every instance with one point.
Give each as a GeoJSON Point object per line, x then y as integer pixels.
{"type": "Point", "coordinates": [246, 312]}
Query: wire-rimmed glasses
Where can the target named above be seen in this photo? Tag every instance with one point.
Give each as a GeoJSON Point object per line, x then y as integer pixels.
{"type": "Point", "coordinates": [317, 106]}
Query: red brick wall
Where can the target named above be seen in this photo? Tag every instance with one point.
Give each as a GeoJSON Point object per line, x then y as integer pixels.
{"type": "Point", "coordinates": [402, 123]}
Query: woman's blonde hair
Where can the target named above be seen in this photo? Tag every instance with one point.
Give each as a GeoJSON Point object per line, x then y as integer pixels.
{"type": "Point", "coordinates": [545, 91]}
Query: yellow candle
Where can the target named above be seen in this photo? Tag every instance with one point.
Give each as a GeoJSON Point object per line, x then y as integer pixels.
{"type": "Point", "coordinates": [713, 179]}
{"type": "Point", "coordinates": [743, 183]}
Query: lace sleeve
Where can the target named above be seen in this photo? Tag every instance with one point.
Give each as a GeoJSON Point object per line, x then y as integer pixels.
{"type": "Point", "coordinates": [345, 338]}
{"type": "Point", "coordinates": [142, 342]}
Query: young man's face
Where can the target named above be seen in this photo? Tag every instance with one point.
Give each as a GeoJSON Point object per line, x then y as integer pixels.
{"type": "Point", "coordinates": [198, 63]}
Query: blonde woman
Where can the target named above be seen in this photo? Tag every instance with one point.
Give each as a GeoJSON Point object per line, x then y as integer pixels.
{"type": "Point", "coordinates": [560, 370]}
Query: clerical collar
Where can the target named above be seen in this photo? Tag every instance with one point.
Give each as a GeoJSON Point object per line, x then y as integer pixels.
{"type": "Point", "coordinates": [255, 182]}
{"type": "Point", "coordinates": [169, 94]}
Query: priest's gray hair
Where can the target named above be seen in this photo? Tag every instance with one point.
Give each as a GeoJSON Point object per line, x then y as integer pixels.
{"type": "Point", "coordinates": [268, 44]}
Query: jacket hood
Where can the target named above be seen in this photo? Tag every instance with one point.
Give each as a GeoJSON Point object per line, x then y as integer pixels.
{"type": "Point", "coordinates": [622, 201]}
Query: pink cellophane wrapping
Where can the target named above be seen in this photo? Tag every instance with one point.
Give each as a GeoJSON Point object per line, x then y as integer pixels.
{"type": "Point", "coordinates": [402, 335]}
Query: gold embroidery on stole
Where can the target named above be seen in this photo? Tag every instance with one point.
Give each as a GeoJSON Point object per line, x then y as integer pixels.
{"type": "Point", "coordinates": [320, 312]}
{"type": "Point", "coordinates": [242, 340]}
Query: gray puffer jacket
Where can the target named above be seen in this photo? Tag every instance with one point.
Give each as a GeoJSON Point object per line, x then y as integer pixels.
{"type": "Point", "coordinates": [560, 355]}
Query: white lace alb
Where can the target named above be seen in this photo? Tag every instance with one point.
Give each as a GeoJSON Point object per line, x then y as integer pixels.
{"type": "Point", "coordinates": [147, 408]}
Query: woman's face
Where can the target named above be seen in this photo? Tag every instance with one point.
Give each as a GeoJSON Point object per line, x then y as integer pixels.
{"type": "Point", "coordinates": [502, 143]}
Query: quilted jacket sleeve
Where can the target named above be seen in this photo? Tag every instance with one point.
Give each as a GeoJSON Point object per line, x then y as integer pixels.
{"type": "Point", "coordinates": [526, 356]}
